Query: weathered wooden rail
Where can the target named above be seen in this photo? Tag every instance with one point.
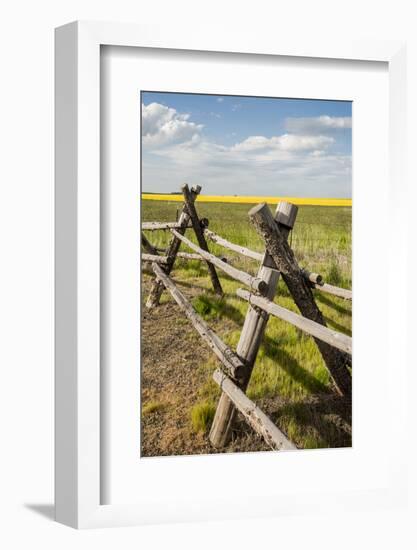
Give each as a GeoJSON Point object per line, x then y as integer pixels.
{"type": "Point", "coordinates": [160, 226]}
{"type": "Point", "coordinates": [231, 246]}
{"type": "Point", "coordinates": [255, 283]}
{"type": "Point", "coordinates": [315, 279]}
{"type": "Point", "coordinates": [228, 358]}
{"type": "Point", "coordinates": [278, 259]}
{"type": "Point", "coordinates": [335, 290]}
{"type": "Point", "coordinates": [164, 259]}
{"type": "Point", "coordinates": [332, 337]}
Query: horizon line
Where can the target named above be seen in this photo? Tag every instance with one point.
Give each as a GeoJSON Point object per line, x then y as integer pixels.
{"type": "Point", "coordinates": [312, 201]}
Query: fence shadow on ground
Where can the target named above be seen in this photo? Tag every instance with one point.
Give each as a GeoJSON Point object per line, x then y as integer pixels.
{"type": "Point", "coordinates": [331, 303]}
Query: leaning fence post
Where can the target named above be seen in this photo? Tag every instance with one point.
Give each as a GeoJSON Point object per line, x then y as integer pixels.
{"type": "Point", "coordinates": [150, 248]}
{"type": "Point", "coordinates": [337, 362]}
{"type": "Point", "coordinates": [198, 230]}
{"type": "Point", "coordinates": [252, 332]}
{"type": "Point", "coordinates": [171, 253]}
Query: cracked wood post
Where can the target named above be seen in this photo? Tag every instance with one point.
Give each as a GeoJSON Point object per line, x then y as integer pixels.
{"type": "Point", "coordinates": [171, 253]}
{"type": "Point", "coordinates": [337, 362]}
{"type": "Point", "coordinates": [252, 333]}
{"type": "Point", "coordinates": [200, 237]}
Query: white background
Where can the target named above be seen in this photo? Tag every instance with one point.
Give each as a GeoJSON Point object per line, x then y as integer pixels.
{"type": "Point", "coordinates": [26, 302]}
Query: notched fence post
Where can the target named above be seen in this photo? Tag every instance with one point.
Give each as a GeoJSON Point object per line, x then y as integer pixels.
{"type": "Point", "coordinates": [171, 252]}
{"type": "Point", "coordinates": [199, 232]}
{"type": "Point", "coordinates": [252, 332]}
{"type": "Point", "coordinates": [337, 362]}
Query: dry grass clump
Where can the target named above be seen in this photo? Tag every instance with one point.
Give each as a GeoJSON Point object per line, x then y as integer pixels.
{"type": "Point", "coordinates": [202, 415]}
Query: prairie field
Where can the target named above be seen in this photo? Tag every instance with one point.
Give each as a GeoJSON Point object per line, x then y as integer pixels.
{"type": "Point", "coordinates": [289, 382]}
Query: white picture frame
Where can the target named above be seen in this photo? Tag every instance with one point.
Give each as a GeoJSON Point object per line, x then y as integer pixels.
{"type": "Point", "coordinates": [78, 426]}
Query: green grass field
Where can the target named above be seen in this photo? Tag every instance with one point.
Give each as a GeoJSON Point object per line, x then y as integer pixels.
{"type": "Point", "coordinates": [289, 369]}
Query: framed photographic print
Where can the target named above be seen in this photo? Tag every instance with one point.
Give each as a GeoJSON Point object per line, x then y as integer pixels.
{"type": "Point", "coordinates": [219, 202]}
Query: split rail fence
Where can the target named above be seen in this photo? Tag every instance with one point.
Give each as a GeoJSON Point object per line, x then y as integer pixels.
{"type": "Point", "coordinates": [277, 261]}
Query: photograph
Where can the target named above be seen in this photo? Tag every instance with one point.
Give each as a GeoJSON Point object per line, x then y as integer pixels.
{"type": "Point", "coordinates": [246, 273]}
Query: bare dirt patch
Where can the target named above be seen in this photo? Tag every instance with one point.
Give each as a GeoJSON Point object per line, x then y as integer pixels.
{"type": "Point", "coordinates": [172, 354]}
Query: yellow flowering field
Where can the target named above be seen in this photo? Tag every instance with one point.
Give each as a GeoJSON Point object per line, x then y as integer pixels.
{"type": "Point", "coordinates": [250, 199]}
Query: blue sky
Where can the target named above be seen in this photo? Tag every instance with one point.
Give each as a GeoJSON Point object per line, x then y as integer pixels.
{"type": "Point", "coordinates": [246, 145]}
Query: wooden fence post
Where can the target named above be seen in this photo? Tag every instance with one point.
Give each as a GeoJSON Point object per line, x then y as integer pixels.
{"type": "Point", "coordinates": [198, 230]}
{"type": "Point", "coordinates": [337, 362]}
{"type": "Point", "coordinates": [171, 253]}
{"type": "Point", "coordinates": [148, 246]}
{"type": "Point", "coordinates": [252, 332]}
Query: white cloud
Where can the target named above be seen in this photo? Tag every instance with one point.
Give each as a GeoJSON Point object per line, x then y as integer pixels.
{"type": "Point", "coordinates": [163, 126]}
{"type": "Point", "coordinates": [221, 173]}
{"type": "Point", "coordinates": [220, 99]}
{"type": "Point", "coordinates": [313, 125]}
{"type": "Point", "coordinates": [175, 150]}
{"type": "Point", "coordinates": [286, 142]}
